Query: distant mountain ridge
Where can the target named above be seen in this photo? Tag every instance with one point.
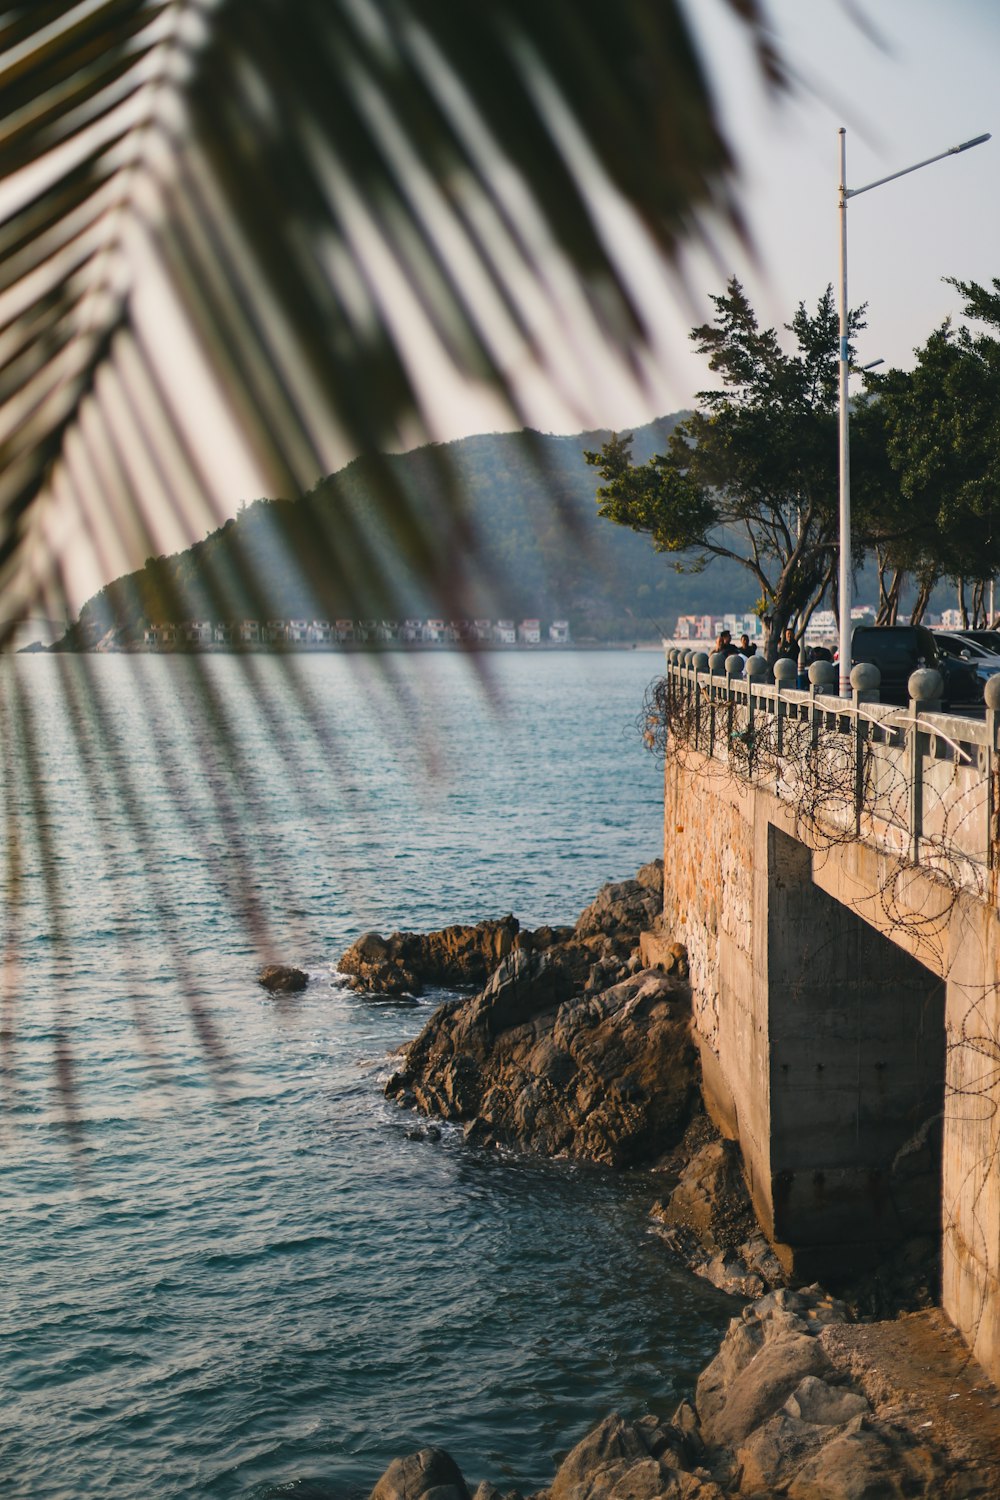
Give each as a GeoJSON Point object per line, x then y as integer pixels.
{"type": "Point", "coordinates": [528, 499]}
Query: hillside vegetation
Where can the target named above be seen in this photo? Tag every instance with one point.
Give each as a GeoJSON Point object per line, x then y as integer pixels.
{"type": "Point", "coordinates": [539, 546]}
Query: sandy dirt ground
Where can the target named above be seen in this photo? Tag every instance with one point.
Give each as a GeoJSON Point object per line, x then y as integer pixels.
{"type": "Point", "coordinates": [916, 1370]}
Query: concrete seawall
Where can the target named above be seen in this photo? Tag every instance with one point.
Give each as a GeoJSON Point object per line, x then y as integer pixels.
{"type": "Point", "coordinates": [845, 961]}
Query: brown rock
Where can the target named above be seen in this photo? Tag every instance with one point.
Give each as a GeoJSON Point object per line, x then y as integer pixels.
{"type": "Point", "coordinates": [282, 979]}
{"type": "Point", "coordinates": [624, 1460]}
{"type": "Point", "coordinates": [869, 1462]}
{"type": "Point", "coordinates": [430, 1474]}
{"type": "Point", "coordinates": [763, 1386]}
{"type": "Point", "coordinates": [407, 962]}
{"type": "Point", "coordinates": [547, 1067]}
{"type": "Point", "coordinates": [621, 910]}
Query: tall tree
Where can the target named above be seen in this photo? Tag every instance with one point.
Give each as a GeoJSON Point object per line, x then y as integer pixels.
{"type": "Point", "coordinates": [940, 425]}
{"type": "Point", "coordinates": [752, 474]}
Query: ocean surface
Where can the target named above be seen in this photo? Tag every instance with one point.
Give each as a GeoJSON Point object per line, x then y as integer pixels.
{"type": "Point", "coordinates": [227, 1270]}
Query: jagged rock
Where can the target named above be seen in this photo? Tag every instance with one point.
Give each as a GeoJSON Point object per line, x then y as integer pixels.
{"type": "Point", "coordinates": [540, 1065]}
{"type": "Point", "coordinates": [774, 1453]}
{"type": "Point", "coordinates": [430, 1474]}
{"type": "Point", "coordinates": [766, 1354]}
{"type": "Point", "coordinates": [622, 909]}
{"type": "Point", "coordinates": [487, 1491]}
{"type": "Point", "coordinates": [764, 1385]}
{"type": "Point", "coordinates": [623, 1460]}
{"type": "Point", "coordinates": [709, 1222]}
{"type": "Point", "coordinates": [829, 1406]}
{"type": "Point", "coordinates": [869, 1460]}
{"type": "Point", "coordinates": [282, 979]}
{"type": "Point", "coordinates": [406, 962]}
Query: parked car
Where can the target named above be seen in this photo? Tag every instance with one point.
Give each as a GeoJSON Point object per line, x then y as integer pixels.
{"type": "Point", "coordinates": [988, 638]}
{"type": "Point", "coordinates": [898, 650]}
{"type": "Point", "coordinates": [962, 647]}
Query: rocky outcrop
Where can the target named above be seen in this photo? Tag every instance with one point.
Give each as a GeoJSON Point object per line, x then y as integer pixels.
{"type": "Point", "coordinates": [605, 937]}
{"type": "Point", "coordinates": [776, 1413]}
{"type": "Point", "coordinates": [573, 1047]}
{"type": "Point", "coordinates": [430, 1474]}
{"type": "Point", "coordinates": [533, 1063]}
{"type": "Point", "coordinates": [408, 962]}
{"type": "Point", "coordinates": [570, 1048]}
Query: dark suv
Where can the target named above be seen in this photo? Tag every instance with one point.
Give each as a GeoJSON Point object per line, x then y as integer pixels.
{"type": "Point", "coordinates": [898, 650]}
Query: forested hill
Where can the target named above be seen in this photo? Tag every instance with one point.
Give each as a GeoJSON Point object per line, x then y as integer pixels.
{"type": "Point", "coordinates": [542, 550]}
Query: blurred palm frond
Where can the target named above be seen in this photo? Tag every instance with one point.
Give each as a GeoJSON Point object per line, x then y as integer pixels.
{"type": "Point", "coordinates": [302, 225]}
{"type": "Point", "coordinates": [342, 198]}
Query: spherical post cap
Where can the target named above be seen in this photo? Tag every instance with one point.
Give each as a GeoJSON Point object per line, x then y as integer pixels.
{"type": "Point", "coordinates": [734, 665]}
{"type": "Point", "coordinates": [717, 662]}
{"type": "Point", "coordinates": [785, 670]}
{"type": "Point", "coordinates": [925, 685]}
{"type": "Point", "coordinates": [686, 657]}
{"type": "Point", "coordinates": [700, 661]}
{"type": "Point", "coordinates": [756, 668]}
{"type": "Point", "coordinates": [822, 674]}
{"type": "Point", "coordinates": [673, 653]}
{"type": "Point", "coordinates": [991, 692]}
{"type": "Point", "coordinates": [865, 677]}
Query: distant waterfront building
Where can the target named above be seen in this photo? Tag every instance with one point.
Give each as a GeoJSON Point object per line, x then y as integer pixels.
{"type": "Point", "coordinates": [250, 631]}
{"type": "Point", "coordinates": [695, 628]}
{"type": "Point", "coordinates": [344, 630]}
{"type": "Point", "coordinates": [529, 632]}
{"type": "Point", "coordinates": [411, 630]}
{"type": "Point", "coordinates": [274, 630]}
{"type": "Point", "coordinates": [822, 628]}
{"type": "Point", "coordinates": [225, 632]}
{"type": "Point", "coordinates": [297, 630]}
{"type": "Point", "coordinates": [320, 633]}
{"type": "Point", "coordinates": [505, 633]}
{"type": "Point", "coordinates": [198, 632]}
{"type": "Point", "coordinates": [159, 635]}
{"type": "Point", "coordinates": [482, 630]}
{"type": "Point", "coordinates": [433, 631]}
{"type": "Point", "coordinates": [559, 632]}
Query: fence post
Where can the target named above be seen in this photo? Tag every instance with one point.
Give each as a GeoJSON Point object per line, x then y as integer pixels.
{"type": "Point", "coordinates": [699, 664]}
{"type": "Point", "coordinates": [991, 694]}
{"type": "Point", "coordinates": [785, 673]}
{"type": "Point", "coordinates": [866, 679]}
{"type": "Point", "coordinates": [716, 665]}
{"type": "Point", "coordinates": [925, 688]}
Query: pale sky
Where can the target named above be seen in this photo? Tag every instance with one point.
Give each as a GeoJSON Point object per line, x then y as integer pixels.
{"type": "Point", "coordinates": [930, 84]}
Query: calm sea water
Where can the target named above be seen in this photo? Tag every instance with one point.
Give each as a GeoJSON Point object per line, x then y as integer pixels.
{"type": "Point", "coordinates": [227, 1270]}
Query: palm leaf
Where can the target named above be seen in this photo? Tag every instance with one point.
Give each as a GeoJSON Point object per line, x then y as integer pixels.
{"type": "Point", "coordinates": [339, 195]}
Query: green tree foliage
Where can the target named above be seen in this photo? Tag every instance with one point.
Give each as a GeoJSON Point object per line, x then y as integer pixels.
{"type": "Point", "coordinates": [939, 428]}
{"type": "Point", "coordinates": [751, 476]}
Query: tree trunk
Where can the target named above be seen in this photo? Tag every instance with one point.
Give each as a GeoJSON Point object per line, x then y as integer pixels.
{"type": "Point", "coordinates": [922, 601]}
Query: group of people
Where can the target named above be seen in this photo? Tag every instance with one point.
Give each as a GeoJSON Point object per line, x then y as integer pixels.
{"type": "Point", "coordinates": [788, 648]}
{"type": "Point", "coordinates": [724, 645]}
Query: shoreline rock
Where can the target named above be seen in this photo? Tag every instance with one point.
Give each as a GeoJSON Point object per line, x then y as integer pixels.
{"type": "Point", "coordinates": [782, 1410]}
{"type": "Point", "coordinates": [571, 1047]}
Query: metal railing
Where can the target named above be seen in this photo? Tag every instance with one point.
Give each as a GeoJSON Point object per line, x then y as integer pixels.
{"type": "Point", "coordinates": [914, 781]}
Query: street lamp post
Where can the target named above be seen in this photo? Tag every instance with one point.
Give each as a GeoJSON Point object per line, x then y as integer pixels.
{"type": "Point", "coordinates": [845, 447]}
